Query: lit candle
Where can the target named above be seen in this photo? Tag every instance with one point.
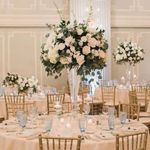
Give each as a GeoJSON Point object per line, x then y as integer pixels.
{"type": "Point", "coordinates": [90, 121]}
{"type": "Point", "coordinates": [68, 125]}
{"type": "Point", "coordinates": [62, 120]}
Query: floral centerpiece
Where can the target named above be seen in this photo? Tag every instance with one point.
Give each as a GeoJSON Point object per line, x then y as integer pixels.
{"type": "Point", "coordinates": [128, 52]}
{"type": "Point", "coordinates": [25, 83]}
{"type": "Point", "coordinates": [10, 80]}
{"type": "Point", "coordinates": [22, 83]}
{"type": "Point", "coordinates": [74, 46]}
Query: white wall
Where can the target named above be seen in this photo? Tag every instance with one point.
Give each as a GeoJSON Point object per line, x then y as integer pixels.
{"type": "Point", "coordinates": [22, 28]}
{"type": "Point", "coordinates": [131, 21]}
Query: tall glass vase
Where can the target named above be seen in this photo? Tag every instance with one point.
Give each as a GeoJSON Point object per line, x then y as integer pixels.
{"type": "Point", "coordinates": [74, 82]}
{"type": "Point", "coordinates": [129, 75]}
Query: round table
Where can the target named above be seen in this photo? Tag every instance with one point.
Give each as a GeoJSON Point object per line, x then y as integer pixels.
{"type": "Point", "coordinates": [96, 137]}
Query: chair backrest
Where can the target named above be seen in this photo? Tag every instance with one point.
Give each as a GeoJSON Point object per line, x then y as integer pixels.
{"type": "Point", "coordinates": [142, 94]}
{"type": "Point", "coordinates": [52, 99]}
{"type": "Point", "coordinates": [132, 141]}
{"type": "Point", "coordinates": [132, 110]}
{"type": "Point", "coordinates": [133, 97]}
{"type": "Point", "coordinates": [108, 94]}
{"type": "Point", "coordinates": [59, 143]}
{"type": "Point", "coordinates": [28, 106]}
{"type": "Point", "coordinates": [14, 104]}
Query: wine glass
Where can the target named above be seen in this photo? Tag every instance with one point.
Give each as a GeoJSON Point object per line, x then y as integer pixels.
{"type": "Point", "coordinates": [22, 120]}
{"type": "Point", "coordinates": [123, 117]}
{"type": "Point", "coordinates": [33, 114]}
{"type": "Point", "coordinates": [48, 124]}
{"type": "Point", "coordinates": [82, 126]}
{"type": "Point", "coordinates": [19, 114]}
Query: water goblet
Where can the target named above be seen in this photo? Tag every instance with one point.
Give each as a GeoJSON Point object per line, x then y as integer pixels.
{"type": "Point", "coordinates": [33, 114]}
{"type": "Point", "coordinates": [123, 117]}
{"type": "Point", "coordinates": [22, 120]}
{"type": "Point", "coordinates": [48, 124]}
{"type": "Point", "coordinates": [82, 126]}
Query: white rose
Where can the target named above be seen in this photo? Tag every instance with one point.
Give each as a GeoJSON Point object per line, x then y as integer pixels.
{"type": "Point", "coordinates": [69, 40]}
{"type": "Point", "coordinates": [80, 59]}
{"type": "Point", "coordinates": [86, 50]}
{"type": "Point", "coordinates": [72, 48]}
{"type": "Point", "coordinates": [118, 57]}
{"type": "Point", "coordinates": [81, 43]}
{"type": "Point", "coordinates": [96, 52]}
{"type": "Point", "coordinates": [68, 51]}
{"type": "Point", "coordinates": [102, 54]}
{"type": "Point", "coordinates": [53, 55]}
{"type": "Point", "coordinates": [64, 60]}
{"type": "Point", "coordinates": [61, 46]}
{"type": "Point", "coordinates": [83, 39]}
{"type": "Point", "coordinates": [79, 31]}
{"type": "Point", "coordinates": [88, 35]}
{"type": "Point", "coordinates": [92, 42]}
{"type": "Point", "coordinates": [60, 35]}
{"type": "Point", "coordinates": [140, 54]}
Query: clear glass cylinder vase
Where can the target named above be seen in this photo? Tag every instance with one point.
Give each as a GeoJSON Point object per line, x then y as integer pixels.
{"type": "Point", "coordinates": [129, 75]}
{"type": "Point", "coordinates": [74, 82]}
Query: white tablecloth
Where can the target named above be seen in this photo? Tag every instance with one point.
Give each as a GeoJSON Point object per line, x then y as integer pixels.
{"type": "Point", "coordinates": [15, 141]}
{"type": "Point", "coordinates": [122, 95]}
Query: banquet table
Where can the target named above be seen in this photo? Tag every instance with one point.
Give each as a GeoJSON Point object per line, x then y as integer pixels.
{"type": "Point", "coordinates": [40, 103]}
{"type": "Point", "coordinates": [96, 136]}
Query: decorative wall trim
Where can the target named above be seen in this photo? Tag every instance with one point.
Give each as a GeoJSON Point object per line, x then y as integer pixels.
{"type": "Point", "coordinates": [130, 21]}
{"type": "Point", "coordinates": [3, 54]}
{"type": "Point", "coordinates": [130, 8]}
{"type": "Point", "coordinates": [27, 21]}
{"type": "Point", "coordinates": [11, 6]}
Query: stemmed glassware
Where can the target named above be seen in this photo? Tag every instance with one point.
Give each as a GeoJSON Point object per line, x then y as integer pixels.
{"type": "Point", "coordinates": [33, 114]}
{"type": "Point", "coordinates": [22, 119]}
{"type": "Point", "coordinates": [123, 117]}
{"type": "Point", "coordinates": [82, 125]}
{"type": "Point", "coordinates": [48, 124]}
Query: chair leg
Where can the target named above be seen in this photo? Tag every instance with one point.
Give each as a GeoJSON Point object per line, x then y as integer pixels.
{"type": "Point", "coordinates": [1, 119]}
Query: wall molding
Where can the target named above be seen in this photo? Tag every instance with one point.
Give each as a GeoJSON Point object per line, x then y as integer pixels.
{"type": "Point", "coordinates": [130, 21]}
{"type": "Point", "coordinates": [28, 21]}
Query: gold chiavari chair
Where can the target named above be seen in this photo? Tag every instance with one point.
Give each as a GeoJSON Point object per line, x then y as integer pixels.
{"type": "Point", "coordinates": [96, 108]}
{"type": "Point", "coordinates": [132, 97]}
{"type": "Point", "coordinates": [52, 99]}
{"type": "Point", "coordinates": [14, 104]}
{"type": "Point", "coordinates": [132, 141]}
{"type": "Point", "coordinates": [28, 106]}
{"type": "Point", "coordinates": [108, 95]}
{"type": "Point", "coordinates": [142, 94]}
{"type": "Point", "coordinates": [83, 94]}
{"type": "Point", "coordinates": [59, 143]}
{"type": "Point", "coordinates": [132, 110]}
